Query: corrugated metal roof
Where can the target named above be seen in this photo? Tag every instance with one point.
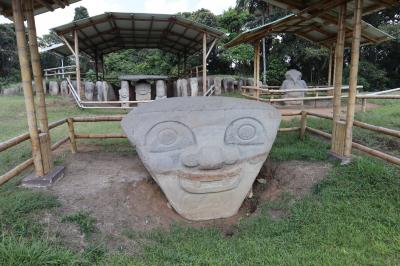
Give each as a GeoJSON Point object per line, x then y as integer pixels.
{"type": "Point", "coordinates": [316, 30]}
{"type": "Point", "coordinates": [112, 31]}
{"type": "Point", "coordinates": [331, 6]}
{"type": "Point", "coordinates": [39, 6]}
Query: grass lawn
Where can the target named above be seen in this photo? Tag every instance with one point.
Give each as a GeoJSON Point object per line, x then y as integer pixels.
{"type": "Point", "coordinates": [351, 218]}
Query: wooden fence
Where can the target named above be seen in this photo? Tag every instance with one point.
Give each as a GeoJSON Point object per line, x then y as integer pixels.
{"type": "Point", "coordinates": [73, 136]}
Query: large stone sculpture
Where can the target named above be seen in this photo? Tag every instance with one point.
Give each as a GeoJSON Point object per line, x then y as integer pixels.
{"type": "Point", "coordinates": [143, 91]}
{"type": "Point", "coordinates": [194, 87]}
{"type": "Point", "coordinates": [89, 90]}
{"type": "Point", "coordinates": [124, 93]}
{"type": "Point", "coordinates": [161, 90]}
{"type": "Point", "coordinates": [53, 88]}
{"type": "Point", "coordinates": [182, 85]}
{"type": "Point", "coordinates": [64, 88]}
{"type": "Point", "coordinates": [217, 85]}
{"type": "Point", "coordinates": [99, 91]}
{"type": "Point", "coordinates": [293, 81]}
{"type": "Point", "coordinates": [204, 152]}
{"type": "Point", "coordinates": [108, 92]}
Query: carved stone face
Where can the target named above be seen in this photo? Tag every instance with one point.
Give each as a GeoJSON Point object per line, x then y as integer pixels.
{"type": "Point", "coordinates": [204, 152]}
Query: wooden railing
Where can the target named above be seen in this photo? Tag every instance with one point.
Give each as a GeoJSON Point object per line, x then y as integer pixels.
{"type": "Point", "coordinates": [73, 136]}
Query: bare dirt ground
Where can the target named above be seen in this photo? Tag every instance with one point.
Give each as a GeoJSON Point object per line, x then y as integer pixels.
{"type": "Point", "coordinates": [119, 193]}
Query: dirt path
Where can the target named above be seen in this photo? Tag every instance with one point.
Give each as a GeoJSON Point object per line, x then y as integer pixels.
{"type": "Point", "coordinates": [119, 193]}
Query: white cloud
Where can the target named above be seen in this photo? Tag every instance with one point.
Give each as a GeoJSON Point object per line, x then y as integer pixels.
{"type": "Point", "coordinates": [166, 6]}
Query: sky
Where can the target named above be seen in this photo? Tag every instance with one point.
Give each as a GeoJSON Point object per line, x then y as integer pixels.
{"type": "Point", "coordinates": [49, 20]}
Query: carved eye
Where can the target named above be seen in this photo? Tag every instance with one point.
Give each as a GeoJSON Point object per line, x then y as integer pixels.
{"type": "Point", "coordinates": [169, 136]}
{"type": "Point", "coordinates": [245, 131]}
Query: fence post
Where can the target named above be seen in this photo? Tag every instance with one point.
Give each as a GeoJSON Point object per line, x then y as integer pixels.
{"type": "Point", "coordinates": [303, 124]}
{"type": "Point", "coordinates": [364, 105]}
{"type": "Point", "coordinates": [71, 133]}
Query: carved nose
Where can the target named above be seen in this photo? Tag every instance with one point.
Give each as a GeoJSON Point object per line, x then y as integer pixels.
{"type": "Point", "coordinates": [210, 158]}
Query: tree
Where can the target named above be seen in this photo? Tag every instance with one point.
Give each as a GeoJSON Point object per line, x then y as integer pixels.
{"type": "Point", "coordinates": [263, 10]}
{"type": "Point", "coordinates": [9, 67]}
{"type": "Point", "coordinates": [80, 13]}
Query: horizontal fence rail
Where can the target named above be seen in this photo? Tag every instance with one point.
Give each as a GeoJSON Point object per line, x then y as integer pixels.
{"type": "Point", "coordinates": [73, 136]}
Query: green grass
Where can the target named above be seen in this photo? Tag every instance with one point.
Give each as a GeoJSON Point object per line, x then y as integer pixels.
{"type": "Point", "coordinates": [86, 223]}
{"type": "Point", "coordinates": [351, 218]}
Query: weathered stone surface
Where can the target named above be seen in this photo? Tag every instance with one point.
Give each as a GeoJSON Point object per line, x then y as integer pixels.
{"type": "Point", "coordinates": [89, 90]}
{"type": "Point", "coordinates": [204, 152]}
{"type": "Point", "coordinates": [53, 88]}
{"type": "Point", "coordinates": [293, 81]}
{"type": "Point", "coordinates": [124, 93]}
{"type": "Point", "coordinates": [100, 90]}
{"type": "Point", "coordinates": [182, 85]}
{"type": "Point", "coordinates": [194, 86]}
{"type": "Point", "coordinates": [217, 84]}
{"type": "Point", "coordinates": [228, 84]}
{"type": "Point", "coordinates": [64, 88]}
{"type": "Point", "coordinates": [161, 90]}
{"type": "Point", "coordinates": [143, 91]}
{"type": "Point", "coordinates": [108, 92]}
{"type": "Point", "coordinates": [17, 89]}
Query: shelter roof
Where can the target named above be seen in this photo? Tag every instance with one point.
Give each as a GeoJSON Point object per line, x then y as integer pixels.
{"type": "Point", "coordinates": [112, 31]}
{"type": "Point", "coordinates": [329, 8]}
{"type": "Point", "coordinates": [317, 30]}
{"type": "Point", "coordinates": [40, 6]}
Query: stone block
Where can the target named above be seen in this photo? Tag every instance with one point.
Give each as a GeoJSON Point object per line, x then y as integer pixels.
{"type": "Point", "coordinates": [89, 90]}
{"type": "Point", "coordinates": [64, 88]}
{"type": "Point", "coordinates": [143, 91]}
{"type": "Point", "coordinates": [194, 87]}
{"type": "Point", "coordinates": [54, 88]}
{"type": "Point", "coordinates": [204, 152]}
{"type": "Point", "coordinates": [161, 89]}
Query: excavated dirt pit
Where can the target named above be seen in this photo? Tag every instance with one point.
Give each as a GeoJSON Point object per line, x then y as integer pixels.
{"type": "Point", "coordinates": [117, 191]}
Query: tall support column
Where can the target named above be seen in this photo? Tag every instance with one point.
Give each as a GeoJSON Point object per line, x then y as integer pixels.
{"type": "Point", "coordinates": [36, 69]}
{"type": "Point", "coordinates": [256, 68]}
{"type": "Point", "coordinates": [78, 65]}
{"type": "Point", "coordinates": [27, 85]}
{"type": "Point", "coordinates": [44, 136]}
{"type": "Point", "coordinates": [338, 77]}
{"type": "Point", "coordinates": [355, 58]}
{"type": "Point", "coordinates": [96, 65]}
{"type": "Point", "coordinates": [330, 67]}
{"type": "Point", "coordinates": [103, 68]}
{"type": "Point", "coordinates": [204, 63]}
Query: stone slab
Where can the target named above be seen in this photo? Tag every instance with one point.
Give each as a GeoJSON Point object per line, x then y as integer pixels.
{"type": "Point", "coordinates": [32, 181]}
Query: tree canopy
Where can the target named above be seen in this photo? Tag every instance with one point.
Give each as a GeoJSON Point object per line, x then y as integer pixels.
{"type": "Point", "coordinates": [379, 67]}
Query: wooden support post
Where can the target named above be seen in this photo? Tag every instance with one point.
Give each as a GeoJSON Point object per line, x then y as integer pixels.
{"type": "Point", "coordinates": [197, 71]}
{"type": "Point", "coordinates": [256, 69]}
{"type": "Point", "coordinates": [179, 65]}
{"type": "Point", "coordinates": [204, 63]}
{"type": "Point", "coordinates": [364, 105]}
{"type": "Point", "coordinates": [303, 124]}
{"type": "Point", "coordinates": [330, 67]}
{"type": "Point", "coordinates": [44, 137]}
{"type": "Point", "coordinates": [184, 64]}
{"type": "Point", "coordinates": [36, 69]}
{"type": "Point", "coordinates": [71, 134]}
{"type": "Point", "coordinates": [338, 78]}
{"type": "Point", "coordinates": [78, 66]}
{"type": "Point", "coordinates": [103, 67]}
{"type": "Point", "coordinates": [355, 57]}
{"type": "Point", "coordinates": [27, 85]}
{"type": "Point", "coordinates": [96, 65]}
{"type": "Point", "coordinates": [45, 148]}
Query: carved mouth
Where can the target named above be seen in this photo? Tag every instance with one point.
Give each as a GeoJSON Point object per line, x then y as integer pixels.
{"type": "Point", "coordinates": [210, 181]}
